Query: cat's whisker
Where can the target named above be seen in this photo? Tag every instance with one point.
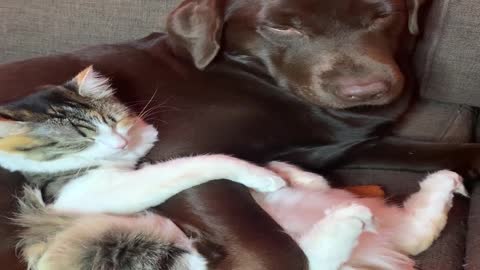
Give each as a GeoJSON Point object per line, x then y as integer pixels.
{"type": "Point", "coordinates": [140, 101]}
{"type": "Point", "coordinates": [152, 111]}
{"type": "Point", "coordinates": [152, 115]}
{"type": "Point", "coordinates": [155, 121]}
{"type": "Point", "coordinates": [146, 112]}
{"type": "Point", "coordinates": [148, 103]}
{"type": "Point", "coordinates": [161, 106]}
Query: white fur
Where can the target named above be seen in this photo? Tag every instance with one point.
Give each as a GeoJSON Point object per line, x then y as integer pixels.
{"type": "Point", "coordinates": [191, 261]}
{"type": "Point", "coordinates": [426, 212]}
{"type": "Point", "coordinates": [94, 85]}
{"type": "Point", "coordinates": [330, 242]}
{"type": "Point", "coordinates": [111, 190]}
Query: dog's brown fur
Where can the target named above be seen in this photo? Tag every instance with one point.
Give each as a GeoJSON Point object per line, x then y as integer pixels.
{"type": "Point", "coordinates": [310, 47]}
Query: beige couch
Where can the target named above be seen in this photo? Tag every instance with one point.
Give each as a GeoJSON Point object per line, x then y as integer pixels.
{"type": "Point", "coordinates": [447, 62]}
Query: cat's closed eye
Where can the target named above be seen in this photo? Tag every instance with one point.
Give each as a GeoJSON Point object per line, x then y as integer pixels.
{"type": "Point", "coordinates": [85, 131]}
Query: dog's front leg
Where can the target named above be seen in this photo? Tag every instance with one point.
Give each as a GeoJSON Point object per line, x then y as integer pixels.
{"type": "Point", "coordinates": [391, 153]}
{"type": "Point", "coordinates": [423, 157]}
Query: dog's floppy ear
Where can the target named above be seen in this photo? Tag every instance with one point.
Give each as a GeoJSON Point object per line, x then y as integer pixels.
{"type": "Point", "coordinates": [196, 26]}
{"type": "Point", "coordinates": [413, 13]}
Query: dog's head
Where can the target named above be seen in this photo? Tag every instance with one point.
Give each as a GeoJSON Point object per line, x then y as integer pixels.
{"type": "Point", "coordinates": [334, 53]}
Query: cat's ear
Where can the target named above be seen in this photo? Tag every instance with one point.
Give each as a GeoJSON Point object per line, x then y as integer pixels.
{"type": "Point", "coordinates": [92, 84]}
{"type": "Point", "coordinates": [11, 128]}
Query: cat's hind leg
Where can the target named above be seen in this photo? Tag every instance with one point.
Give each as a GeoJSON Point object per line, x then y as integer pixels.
{"type": "Point", "coordinates": [297, 177]}
{"type": "Point", "coordinates": [425, 212]}
{"type": "Point", "coordinates": [330, 242]}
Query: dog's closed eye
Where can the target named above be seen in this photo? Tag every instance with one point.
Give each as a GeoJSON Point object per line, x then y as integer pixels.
{"type": "Point", "coordinates": [279, 34]}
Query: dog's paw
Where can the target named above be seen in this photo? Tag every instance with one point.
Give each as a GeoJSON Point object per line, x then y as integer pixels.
{"type": "Point", "coordinates": [446, 181]}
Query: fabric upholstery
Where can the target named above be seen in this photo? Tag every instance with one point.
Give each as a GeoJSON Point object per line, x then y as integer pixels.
{"type": "Point", "coordinates": [433, 121]}
{"type": "Point", "coordinates": [31, 28]}
{"type": "Point", "coordinates": [472, 261]}
{"type": "Point", "coordinates": [448, 56]}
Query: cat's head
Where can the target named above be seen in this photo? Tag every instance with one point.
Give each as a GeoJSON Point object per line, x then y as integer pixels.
{"type": "Point", "coordinates": [71, 126]}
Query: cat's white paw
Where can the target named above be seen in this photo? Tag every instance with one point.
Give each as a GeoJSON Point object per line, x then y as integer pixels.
{"type": "Point", "coordinates": [354, 212]}
{"type": "Point", "coordinates": [295, 176]}
{"type": "Point", "coordinates": [330, 242]}
{"type": "Point", "coordinates": [446, 181]}
{"type": "Point", "coordinates": [141, 139]}
{"type": "Point", "coordinates": [428, 210]}
{"type": "Point", "coordinates": [149, 134]}
{"type": "Point", "coordinates": [261, 179]}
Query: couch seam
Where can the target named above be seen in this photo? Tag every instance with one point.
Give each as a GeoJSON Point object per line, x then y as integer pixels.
{"type": "Point", "coordinates": [451, 122]}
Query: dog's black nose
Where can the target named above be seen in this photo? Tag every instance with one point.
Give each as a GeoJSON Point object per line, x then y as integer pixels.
{"type": "Point", "coordinates": [363, 91]}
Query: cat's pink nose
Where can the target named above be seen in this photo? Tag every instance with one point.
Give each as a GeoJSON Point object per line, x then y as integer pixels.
{"type": "Point", "coordinates": [119, 142]}
{"type": "Point", "coordinates": [122, 144]}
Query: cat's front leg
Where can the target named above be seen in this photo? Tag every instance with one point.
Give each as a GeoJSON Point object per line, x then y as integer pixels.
{"type": "Point", "coordinates": [123, 192]}
{"type": "Point", "coordinates": [200, 169]}
{"type": "Point", "coordinates": [299, 178]}
{"type": "Point", "coordinates": [330, 242]}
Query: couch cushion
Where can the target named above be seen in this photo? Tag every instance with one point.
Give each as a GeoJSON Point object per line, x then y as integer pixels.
{"type": "Point", "coordinates": [429, 120]}
{"type": "Point", "coordinates": [472, 260]}
{"type": "Point", "coordinates": [448, 55]}
{"type": "Point", "coordinates": [31, 28]}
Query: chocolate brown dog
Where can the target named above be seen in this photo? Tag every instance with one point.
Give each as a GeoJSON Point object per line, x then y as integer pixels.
{"type": "Point", "coordinates": [331, 53]}
{"type": "Point", "coordinates": [274, 75]}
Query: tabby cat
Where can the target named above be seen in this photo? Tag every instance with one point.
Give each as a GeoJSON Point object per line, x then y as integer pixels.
{"type": "Point", "coordinates": [78, 148]}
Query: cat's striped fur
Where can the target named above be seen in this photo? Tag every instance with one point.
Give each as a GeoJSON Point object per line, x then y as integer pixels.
{"type": "Point", "coordinates": [51, 240]}
{"type": "Point", "coordinates": [60, 121]}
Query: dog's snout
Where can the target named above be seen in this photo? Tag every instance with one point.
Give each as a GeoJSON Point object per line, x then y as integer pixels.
{"type": "Point", "coordinates": [366, 90]}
